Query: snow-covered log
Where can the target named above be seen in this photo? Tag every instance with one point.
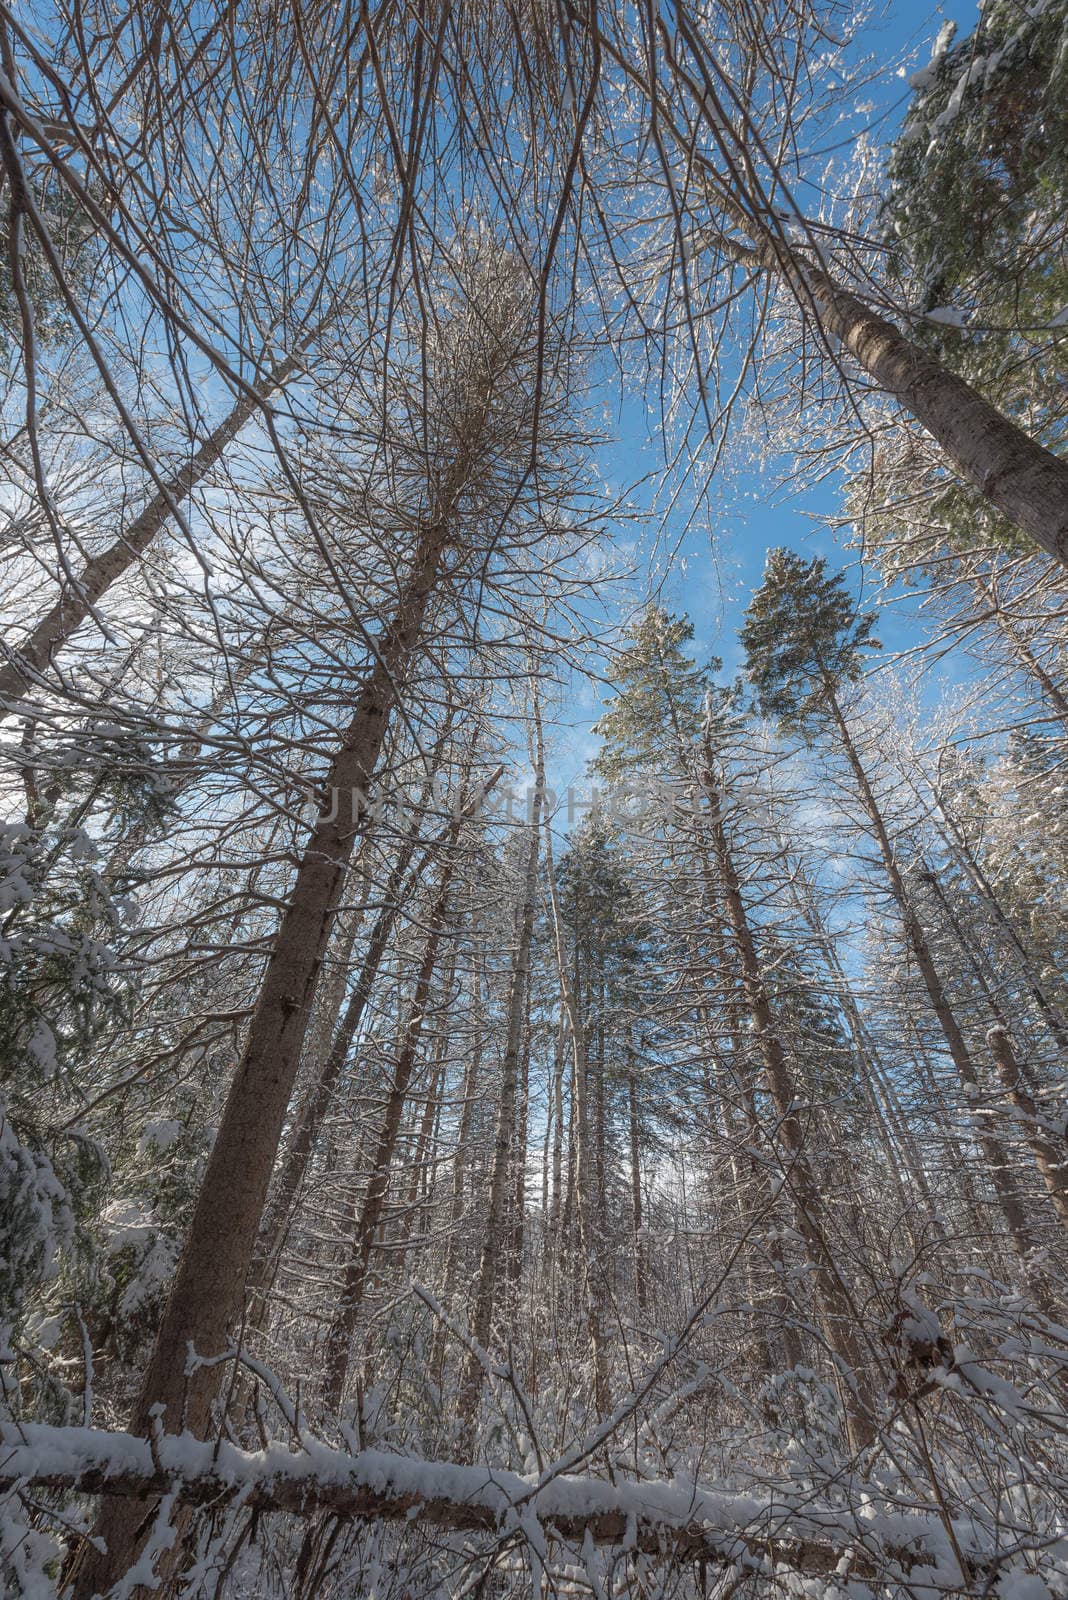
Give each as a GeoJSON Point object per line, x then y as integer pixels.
{"type": "Point", "coordinates": [679, 1520]}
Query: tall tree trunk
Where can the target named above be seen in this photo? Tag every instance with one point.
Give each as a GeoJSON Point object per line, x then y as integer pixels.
{"type": "Point", "coordinates": [286, 1186]}
{"type": "Point", "coordinates": [898, 1145]}
{"type": "Point", "coordinates": [556, 1199]}
{"type": "Point", "coordinates": [568, 1206]}
{"type": "Point", "coordinates": [781, 1308]}
{"type": "Point", "coordinates": [751, 1135]}
{"type": "Point", "coordinates": [416, 1204]}
{"type": "Point", "coordinates": [369, 1215]}
{"type": "Point", "coordinates": [600, 1119]}
{"type": "Point", "coordinates": [209, 1285]}
{"type": "Point", "coordinates": [316, 1103]}
{"type": "Point", "coordinates": [1032, 665]}
{"type": "Point", "coordinates": [546, 1145]}
{"type": "Point", "coordinates": [468, 1094]}
{"type": "Point", "coordinates": [30, 659]}
{"type": "Point", "coordinates": [1051, 1158]}
{"type": "Point", "coordinates": [961, 847]}
{"type": "Point", "coordinates": [1026, 482]}
{"type": "Point", "coordinates": [994, 1154]}
{"type": "Point", "coordinates": [518, 1221]}
{"type": "Point", "coordinates": [635, 1176]}
{"type": "Point", "coordinates": [939, 1120]}
{"type": "Point", "coordinates": [838, 1313]}
{"type": "Point", "coordinates": [590, 1248]}
{"type": "Point", "coordinates": [985, 584]}
{"type": "Point", "coordinates": [495, 1238]}
{"type": "Point", "coordinates": [412, 1220]}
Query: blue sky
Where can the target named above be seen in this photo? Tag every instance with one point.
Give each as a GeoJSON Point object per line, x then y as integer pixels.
{"type": "Point", "coordinates": [717, 567]}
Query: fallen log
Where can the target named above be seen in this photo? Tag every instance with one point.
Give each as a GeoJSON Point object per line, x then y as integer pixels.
{"type": "Point", "coordinates": [673, 1520]}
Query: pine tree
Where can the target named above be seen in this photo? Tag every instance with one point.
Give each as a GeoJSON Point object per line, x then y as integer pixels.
{"type": "Point", "coordinates": [974, 217]}
{"type": "Point", "coordinates": [671, 714]}
{"type": "Point", "coordinates": [655, 713]}
{"type": "Point", "coordinates": [803, 643]}
{"type": "Point", "coordinates": [803, 640]}
{"type": "Point", "coordinates": [973, 224]}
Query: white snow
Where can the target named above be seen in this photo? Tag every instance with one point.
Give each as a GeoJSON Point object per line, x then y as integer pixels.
{"type": "Point", "coordinates": [42, 1047]}
{"type": "Point", "coordinates": [159, 1135]}
{"type": "Point", "coordinates": [926, 75]}
{"type": "Point", "coordinates": [31, 1451]}
{"type": "Point", "coordinates": [950, 316]}
{"type": "Point", "coordinates": [1022, 1586]}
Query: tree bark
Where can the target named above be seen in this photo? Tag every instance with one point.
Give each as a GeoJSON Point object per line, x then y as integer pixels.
{"type": "Point", "coordinates": [994, 1154]}
{"type": "Point", "coordinates": [985, 585]}
{"type": "Point", "coordinates": [376, 1487]}
{"type": "Point", "coordinates": [557, 1169]}
{"type": "Point", "coordinates": [966, 856]}
{"type": "Point", "coordinates": [838, 1314]}
{"type": "Point", "coordinates": [1025, 481]}
{"type": "Point", "coordinates": [339, 1337]}
{"type": "Point", "coordinates": [321, 1091]}
{"type": "Point", "coordinates": [517, 1228]}
{"type": "Point", "coordinates": [1051, 1159]}
{"type": "Point", "coordinates": [411, 1224]}
{"type": "Point", "coordinates": [209, 1285]}
{"type": "Point", "coordinates": [635, 1177]}
{"type": "Point", "coordinates": [459, 1173]}
{"type": "Point", "coordinates": [761, 1356]}
{"type": "Point", "coordinates": [495, 1238]}
{"type": "Point", "coordinates": [898, 1144]}
{"type": "Point", "coordinates": [589, 1247]}
{"type": "Point", "coordinates": [28, 660]}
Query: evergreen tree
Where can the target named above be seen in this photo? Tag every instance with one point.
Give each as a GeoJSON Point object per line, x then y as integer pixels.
{"type": "Point", "coordinates": [823, 1056]}
{"type": "Point", "coordinates": [70, 234]}
{"type": "Point", "coordinates": [803, 643]}
{"type": "Point", "coordinates": [974, 226]}
{"type": "Point", "coordinates": [656, 710]}
{"type": "Point", "coordinates": [63, 986]}
{"type": "Point", "coordinates": [803, 639]}
{"type": "Point", "coordinates": [979, 189]}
